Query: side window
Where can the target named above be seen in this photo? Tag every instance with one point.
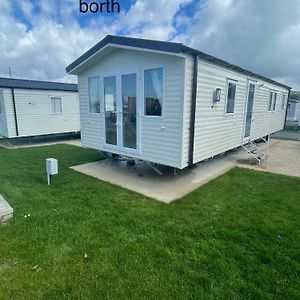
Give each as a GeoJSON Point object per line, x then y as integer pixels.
{"type": "Point", "coordinates": [56, 105]}
{"type": "Point", "coordinates": [94, 94]}
{"type": "Point", "coordinates": [153, 92]}
{"type": "Point", "coordinates": [230, 98]}
{"type": "Point", "coordinates": [270, 101]}
{"type": "Point", "coordinates": [274, 101]}
{"type": "Point", "coordinates": [283, 101]}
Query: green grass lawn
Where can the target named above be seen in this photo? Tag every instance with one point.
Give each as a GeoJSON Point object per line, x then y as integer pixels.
{"type": "Point", "coordinates": [236, 237]}
{"type": "Point", "coordinates": [292, 128]}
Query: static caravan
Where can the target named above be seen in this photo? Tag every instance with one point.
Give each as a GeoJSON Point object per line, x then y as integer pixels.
{"type": "Point", "coordinates": [34, 108]}
{"type": "Point", "coordinates": [293, 112]}
{"type": "Point", "coordinates": [170, 104]}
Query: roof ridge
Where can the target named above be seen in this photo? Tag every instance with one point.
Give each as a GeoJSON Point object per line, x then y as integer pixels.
{"type": "Point", "coordinates": [35, 80]}
{"type": "Point", "coordinates": [143, 39]}
{"type": "Point", "coordinates": [163, 46]}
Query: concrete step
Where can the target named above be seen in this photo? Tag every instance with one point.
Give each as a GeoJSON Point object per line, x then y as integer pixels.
{"type": "Point", "coordinates": [6, 211]}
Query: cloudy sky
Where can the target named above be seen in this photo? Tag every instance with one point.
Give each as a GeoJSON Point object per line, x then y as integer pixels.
{"type": "Point", "coordinates": [38, 38]}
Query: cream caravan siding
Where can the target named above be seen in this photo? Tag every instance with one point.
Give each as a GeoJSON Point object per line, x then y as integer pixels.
{"type": "Point", "coordinates": [160, 138]}
{"type": "Point", "coordinates": [3, 124]}
{"type": "Point", "coordinates": [215, 132]}
{"type": "Point", "coordinates": [34, 116]}
{"type": "Point", "coordinates": [9, 110]}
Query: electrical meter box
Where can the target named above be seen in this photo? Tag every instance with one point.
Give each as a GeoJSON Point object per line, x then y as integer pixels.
{"type": "Point", "coordinates": [51, 166]}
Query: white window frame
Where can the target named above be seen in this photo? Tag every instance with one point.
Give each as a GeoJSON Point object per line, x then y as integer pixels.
{"type": "Point", "coordinates": [50, 104]}
{"type": "Point", "coordinates": [150, 67]}
{"type": "Point", "coordinates": [100, 95]}
{"type": "Point", "coordinates": [228, 81]}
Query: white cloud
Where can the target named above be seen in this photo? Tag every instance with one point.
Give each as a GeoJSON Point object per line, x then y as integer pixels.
{"type": "Point", "coordinates": [260, 35]}
{"type": "Point", "coordinates": [53, 39]}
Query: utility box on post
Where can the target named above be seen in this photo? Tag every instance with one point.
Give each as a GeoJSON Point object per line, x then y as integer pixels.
{"type": "Point", "coordinates": [51, 168]}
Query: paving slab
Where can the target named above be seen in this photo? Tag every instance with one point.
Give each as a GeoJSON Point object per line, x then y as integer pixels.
{"type": "Point", "coordinates": [168, 187]}
{"type": "Point", "coordinates": [6, 211]}
{"type": "Point", "coordinates": [284, 158]}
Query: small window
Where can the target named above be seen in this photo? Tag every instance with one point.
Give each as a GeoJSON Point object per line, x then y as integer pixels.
{"type": "Point", "coordinates": [283, 101]}
{"type": "Point", "coordinates": [94, 97]}
{"type": "Point", "coordinates": [230, 100]}
{"type": "Point", "coordinates": [274, 101]}
{"type": "Point", "coordinates": [56, 105]}
{"type": "Point", "coordinates": [153, 92]}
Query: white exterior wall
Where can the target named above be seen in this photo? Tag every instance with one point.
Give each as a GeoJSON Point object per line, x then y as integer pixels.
{"type": "Point", "coordinates": [161, 138]}
{"type": "Point", "coordinates": [34, 116]}
{"type": "Point", "coordinates": [298, 111]}
{"type": "Point", "coordinates": [9, 114]}
{"type": "Point", "coordinates": [3, 123]}
{"type": "Point", "coordinates": [215, 132]}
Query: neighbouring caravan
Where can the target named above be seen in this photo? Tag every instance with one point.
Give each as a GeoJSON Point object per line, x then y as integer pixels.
{"type": "Point", "coordinates": [34, 108]}
{"type": "Point", "coordinates": [170, 104]}
{"type": "Point", "coordinates": [293, 112]}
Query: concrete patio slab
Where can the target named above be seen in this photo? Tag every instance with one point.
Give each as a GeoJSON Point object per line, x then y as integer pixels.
{"type": "Point", "coordinates": [6, 211]}
{"type": "Point", "coordinates": [167, 188]}
{"type": "Point", "coordinates": [283, 158]}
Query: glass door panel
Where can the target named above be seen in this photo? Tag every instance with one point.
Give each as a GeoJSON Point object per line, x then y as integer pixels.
{"type": "Point", "coordinates": [110, 105]}
{"type": "Point", "coordinates": [129, 124]}
{"type": "Point", "coordinates": [249, 111]}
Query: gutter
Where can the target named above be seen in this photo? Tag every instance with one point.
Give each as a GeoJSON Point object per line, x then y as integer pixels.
{"type": "Point", "coordinates": [15, 111]}
{"type": "Point", "coordinates": [193, 110]}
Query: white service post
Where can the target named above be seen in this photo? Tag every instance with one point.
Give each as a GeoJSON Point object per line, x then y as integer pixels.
{"type": "Point", "coordinates": [51, 168]}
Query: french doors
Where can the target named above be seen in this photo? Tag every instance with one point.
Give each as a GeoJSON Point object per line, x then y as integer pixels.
{"type": "Point", "coordinates": [120, 93]}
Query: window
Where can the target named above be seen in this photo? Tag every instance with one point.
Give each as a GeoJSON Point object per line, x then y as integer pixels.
{"type": "Point", "coordinates": [153, 92]}
{"type": "Point", "coordinates": [94, 97]}
{"type": "Point", "coordinates": [56, 105]}
{"type": "Point", "coordinates": [283, 101]}
{"type": "Point", "coordinates": [270, 101]}
{"type": "Point", "coordinates": [230, 99]}
{"type": "Point", "coordinates": [274, 101]}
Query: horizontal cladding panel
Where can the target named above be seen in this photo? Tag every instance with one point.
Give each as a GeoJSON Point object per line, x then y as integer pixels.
{"type": "Point", "coordinates": [34, 115]}
{"type": "Point", "coordinates": [160, 137]}
{"type": "Point", "coordinates": [214, 131]}
{"type": "Point", "coordinates": [3, 118]}
{"type": "Point", "coordinates": [9, 109]}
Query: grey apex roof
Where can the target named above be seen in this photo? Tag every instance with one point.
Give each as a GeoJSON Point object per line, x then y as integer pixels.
{"type": "Point", "coordinates": [164, 47]}
{"type": "Point", "coordinates": [37, 85]}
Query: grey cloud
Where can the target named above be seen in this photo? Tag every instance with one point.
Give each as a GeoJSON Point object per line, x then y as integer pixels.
{"type": "Point", "coordinates": [260, 35]}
